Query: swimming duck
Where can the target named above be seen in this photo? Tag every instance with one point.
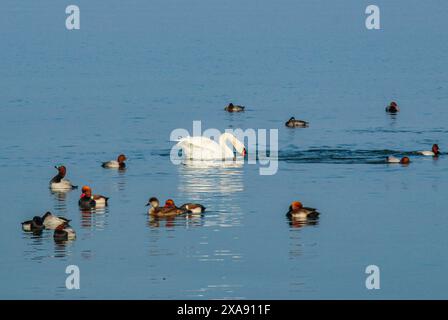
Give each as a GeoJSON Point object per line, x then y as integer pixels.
{"type": "Point", "coordinates": [51, 221]}
{"type": "Point", "coordinates": [33, 225]}
{"type": "Point", "coordinates": [58, 183]}
{"type": "Point", "coordinates": [392, 107]}
{"type": "Point", "coordinates": [153, 202]}
{"type": "Point", "coordinates": [116, 164]}
{"type": "Point", "coordinates": [89, 201]}
{"type": "Point", "coordinates": [63, 232]}
{"type": "Point", "coordinates": [169, 210]}
{"type": "Point", "coordinates": [433, 153]}
{"type": "Point", "coordinates": [193, 207]}
{"type": "Point", "coordinates": [392, 159]}
{"type": "Point", "coordinates": [293, 123]}
{"type": "Point", "coordinates": [234, 108]}
{"type": "Point", "coordinates": [296, 210]}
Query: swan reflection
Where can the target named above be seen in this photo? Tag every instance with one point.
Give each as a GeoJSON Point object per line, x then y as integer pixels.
{"type": "Point", "coordinates": [196, 177]}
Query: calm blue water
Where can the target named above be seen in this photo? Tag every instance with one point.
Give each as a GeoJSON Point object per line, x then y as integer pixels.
{"type": "Point", "coordinates": [136, 71]}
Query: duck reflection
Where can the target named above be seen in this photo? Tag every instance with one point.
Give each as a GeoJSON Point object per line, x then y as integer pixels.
{"type": "Point", "coordinates": [189, 220]}
{"type": "Point", "coordinates": [60, 204]}
{"type": "Point", "coordinates": [94, 218]}
{"type": "Point", "coordinates": [212, 184]}
{"type": "Point", "coordinates": [302, 222]}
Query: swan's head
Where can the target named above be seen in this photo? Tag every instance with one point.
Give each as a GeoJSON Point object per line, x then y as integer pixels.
{"type": "Point", "coordinates": [405, 160]}
{"type": "Point", "coordinates": [153, 201]}
{"type": "Point", "coordinates": [61, 170]}
{"type": "Point", "coordinates": [86, 192]}
{"type": "Point", "coordinates": [435, 148]}
{"type": "Point", "coordinates": [121, 158]}
{"type": "Point", "coordinates": [169, 203]}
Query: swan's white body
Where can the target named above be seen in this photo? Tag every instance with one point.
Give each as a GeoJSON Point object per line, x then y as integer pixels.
{"type": "Point", "coordinates": [202, 148]}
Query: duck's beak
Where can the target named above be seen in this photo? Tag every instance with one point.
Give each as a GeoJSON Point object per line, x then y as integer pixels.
{"type": "Point", "coordinates": [147, 204]}
{"type": "Point", "coordinates": [56, 167]}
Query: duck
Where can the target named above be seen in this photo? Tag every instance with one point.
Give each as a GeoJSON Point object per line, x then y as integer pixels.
{"type": "Point", "coordinates": [51, 221]}
{"type": "Point", "coordinates": [89, 201]}
{"type": "Point", "coordinates": [297, 210]}
{"type": "Point", "coordinates": [433, 153]}
{"type": "Point", "coordinates": [193, 207]}
{"type": "Point", "coordinates": [294, 123]}
{"type": "Point", "coordinates": [169, 210]}
{"type": "Point", "coordinates": [392, 159]}
{"type": "Point", "coordinates": [234, 108]}
{"type": "Point", "coordinates": [63, 233]}
{"type": "Point", "coordinates": [116, 164]}
{"type": "Point", "coordinates": [58, 183]}
{"type": "Point", "coordinates": [392, 107]}
{"type": "Point", "coordinates": [153, 202]}
{"type": "Point", "coordinates": [36, 224]}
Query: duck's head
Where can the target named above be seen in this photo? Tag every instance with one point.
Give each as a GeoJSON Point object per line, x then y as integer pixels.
{"type": "Point", "coordinates": [435, 148]}
{"type": "Point", "coordinates": [295, 206]}
{"type": "Point", "coordinates": [405, 160]}
{"type": "Point", "coordinates": [393, 104]}
{"type": "Point", "coordinates": [38, 220]}
{"type": "Point", "coordinates": [169, 203]}
{"type": "Point", "coordinates": [121, 158]}
{"type": "Point", "coordinates": [62, 170]}
{"type": "Point", "coordinates": [153, 201]}
{"type": "Point", "coordinates": [291, 119]}
{"type": "Point", "coordinates": [60, 227]}
{"type": "Point", "coordinates": [86, 192]}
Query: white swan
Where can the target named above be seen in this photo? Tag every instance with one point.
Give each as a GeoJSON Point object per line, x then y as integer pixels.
{"type": "Point", "coordinates": [202, 148]}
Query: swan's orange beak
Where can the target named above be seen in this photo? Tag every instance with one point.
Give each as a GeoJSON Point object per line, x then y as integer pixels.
{"type": "Point", "coordinates": [244, 152]}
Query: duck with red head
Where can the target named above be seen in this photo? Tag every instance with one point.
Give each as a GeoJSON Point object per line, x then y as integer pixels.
{"type": "Point", "coordinates": [298, 211]}
{"type": "Point", "coordinates": [89, 201]}
{"type": "Point", "coordinates": [64, 233]}
{"type": "Point", "coordinates": [435, 151]}
{"type": "Point", "coordinates": [392, 107]}
{"type": "Point", "coordinates": [59, 183]}
{"type": "Point", "coordinates": [116, 164]}
{"type": "Point", "coordinates": [168, 210]}
{"type": "Point", "coordinates": [392, 159]}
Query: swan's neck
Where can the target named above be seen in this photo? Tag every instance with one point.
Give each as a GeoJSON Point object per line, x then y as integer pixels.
{"type": "Point", "coordinates": [224, 146]}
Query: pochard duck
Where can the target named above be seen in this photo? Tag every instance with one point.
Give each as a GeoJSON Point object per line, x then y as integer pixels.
{"type": "Point", "coordinates": [234, 108]}
{"type": "Point", "coordinates": [193, 207]}
{"type": "Point", "coordinates": [294, 123]}
{"type": "Point", "coordinates": [433, 153]}
{"type": "Point", "coordinates": [63, 233]}
{"type": "Point", "coordinates": [392, 159]}
{"type": "Point", "coordinates": [392, 107]}
{"type": "Point", "coordinates": [169, 210]}
{"type": "Point", "coordinates": [116, 164]}
{"type": "Point", "coordinates": [51, 221]}
{"type": "Point", "coordinates": [58, 183]}
{"type": "Point", "coordinates": [89, 201]}
{"type": "Point", "coordinates": [36, 224]}
{"type": "Point", "coordinates": [298, 211]}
